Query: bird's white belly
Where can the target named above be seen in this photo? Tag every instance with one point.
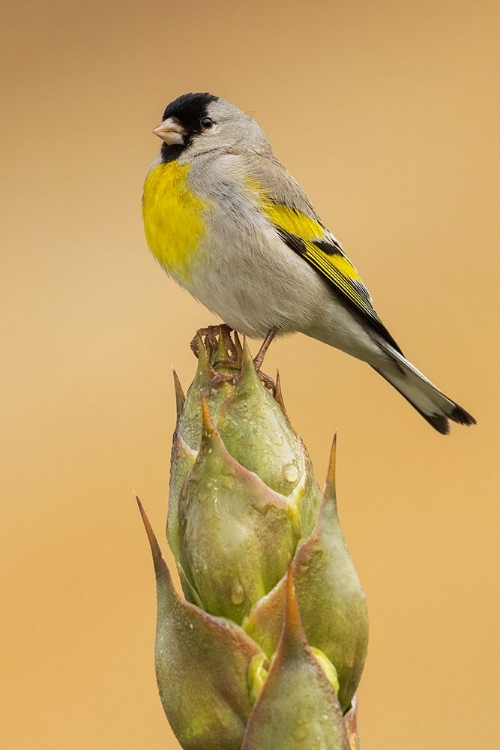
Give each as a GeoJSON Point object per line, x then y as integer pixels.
{"type": "Point", "coordinates": [256, 282]}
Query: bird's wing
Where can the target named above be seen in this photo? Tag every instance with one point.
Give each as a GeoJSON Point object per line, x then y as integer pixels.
{"type": "Point", "coordinates": [288, 209]}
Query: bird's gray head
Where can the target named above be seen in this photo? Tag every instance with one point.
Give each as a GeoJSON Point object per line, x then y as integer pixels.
{"type": "Point", "coordinates": [197, 123]}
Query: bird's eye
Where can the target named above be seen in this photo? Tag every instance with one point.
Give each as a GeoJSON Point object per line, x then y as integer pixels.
{"type": "Point", "coordinates": [206, 122]}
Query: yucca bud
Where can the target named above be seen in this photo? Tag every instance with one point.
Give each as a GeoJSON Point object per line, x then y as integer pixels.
{"type": "Point", "coordinates": [268, 648]}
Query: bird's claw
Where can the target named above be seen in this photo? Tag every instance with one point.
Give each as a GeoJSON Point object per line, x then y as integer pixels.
{"type": "Point", "coordinates": [208, 336]}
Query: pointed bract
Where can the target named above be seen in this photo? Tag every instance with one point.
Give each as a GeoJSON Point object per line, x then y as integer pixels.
{"type": "Point", "coordinates": [180, 398]}
{"type": "Point", "coordinates": [189, 423]}
{"type": "Point", "coordinates": [202, 667]}
{"type": "Point", "coordinates": [257, 434]}
{"type": "Point", "coordinates": [297, 707]}
{"type": "Point", "coordinates": [237, 536]}
{"type": "Point", "coordinates": [279, 395]}
{"type": "Point", "coordinates": [324, 573]}
{"type": "Point", "coordinates": [182, 458]}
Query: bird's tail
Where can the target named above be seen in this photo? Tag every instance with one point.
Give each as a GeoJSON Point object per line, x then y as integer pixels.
{"type": "Point", "coordinates": [423, 395]}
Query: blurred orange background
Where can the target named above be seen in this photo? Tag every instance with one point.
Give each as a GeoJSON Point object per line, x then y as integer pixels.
{"type": "Point", "coordinates": [388, 115]}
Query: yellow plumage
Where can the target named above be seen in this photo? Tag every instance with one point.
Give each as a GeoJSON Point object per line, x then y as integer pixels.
{"type": "Point", "coordinates": [173, 217]}
{"type": "Point", "coordinates": [335, 266]}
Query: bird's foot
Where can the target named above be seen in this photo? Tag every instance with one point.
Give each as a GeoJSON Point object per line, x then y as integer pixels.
{"type": "Point", "coordinates": [259, 359]}
{"type": "Point", "coordinates": [267, 381]}
{"type": "Point", "coordinates": [225, 377]}
{"type": "Point", "coordinates": [208, 337]}
{"type": "Point", "coordinates": [232, 377]}
{"type": "Point", "coordinates": [210, 334]}
{"type": "Point", "coordinates": [228, 369]}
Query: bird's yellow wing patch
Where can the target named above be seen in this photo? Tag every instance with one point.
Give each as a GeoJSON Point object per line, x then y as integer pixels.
{"type": "Point", "coordinates": [320, 248]}
{"type": "Point", "coordinates": [308, 238]}
{"type": "Point", "coordinates": [173, 217]}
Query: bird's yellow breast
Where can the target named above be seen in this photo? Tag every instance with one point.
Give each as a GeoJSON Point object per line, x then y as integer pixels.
{"type": "Point", "coordinates": [173, 217]}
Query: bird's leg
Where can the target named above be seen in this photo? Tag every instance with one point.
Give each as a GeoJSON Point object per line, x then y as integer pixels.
{"type": "Point", "coordinates": [259, 359]}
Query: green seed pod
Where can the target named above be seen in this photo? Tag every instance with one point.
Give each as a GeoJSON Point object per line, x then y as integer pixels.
{"type": "Point", "coordinates": [268, 647]}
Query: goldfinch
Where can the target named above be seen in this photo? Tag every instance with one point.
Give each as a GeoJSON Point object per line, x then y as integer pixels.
{"type": "Point", "coordinates": [227, 221]}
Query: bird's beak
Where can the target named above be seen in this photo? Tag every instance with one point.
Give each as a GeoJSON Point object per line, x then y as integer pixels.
{"type": "Point", "coordinates": [170, 131]}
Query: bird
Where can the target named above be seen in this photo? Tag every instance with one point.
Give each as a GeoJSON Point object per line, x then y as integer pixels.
{"type": "Point", "coordinates": [227, 222]}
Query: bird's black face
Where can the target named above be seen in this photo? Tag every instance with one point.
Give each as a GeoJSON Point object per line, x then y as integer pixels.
{"type": "Point", "coordinates": [189, 113]}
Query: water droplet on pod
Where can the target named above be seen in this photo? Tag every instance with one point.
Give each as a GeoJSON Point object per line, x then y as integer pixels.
{"type": "Point", "coordinates": [290, 472]}
{"type": "Point", "coordinates": [237, 593]}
